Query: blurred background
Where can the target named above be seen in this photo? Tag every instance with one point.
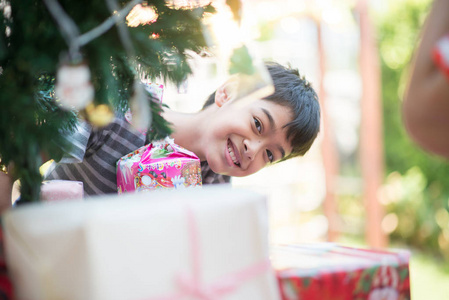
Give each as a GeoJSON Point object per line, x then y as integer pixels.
{"type": "Point", "coordinates": [364, 182]}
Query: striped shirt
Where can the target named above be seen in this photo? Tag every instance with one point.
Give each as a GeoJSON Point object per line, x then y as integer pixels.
{"type": "Point", "coordinates": [95, 151]}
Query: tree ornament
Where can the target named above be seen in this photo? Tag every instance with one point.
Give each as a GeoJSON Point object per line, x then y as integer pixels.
{"type": "Point", "coordinates": [182, 87]}
{"type": "Point", "coordinates": [236, 8]}
{"type": "Point", "coordinates": [98, 115]}
{"type": "Point", "coordinates": [252, 79]}
{"type": "Point", "coordinates": [140, 108]}
{"type": "Point", "coordinates": [73, 89]}
{"type": "Point", "coordinates": [241, 61]}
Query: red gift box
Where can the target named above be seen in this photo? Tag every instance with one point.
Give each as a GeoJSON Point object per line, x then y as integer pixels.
{"type": "Point", "coordinates": [329, 271]}
{"type": "Point", "coordinates": [6, 287]}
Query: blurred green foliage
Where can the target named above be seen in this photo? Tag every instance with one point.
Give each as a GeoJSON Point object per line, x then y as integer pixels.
{"type": "Point", "coordinates": [428, 279]}
{"type": "Point", "coordinates": [416, 189]}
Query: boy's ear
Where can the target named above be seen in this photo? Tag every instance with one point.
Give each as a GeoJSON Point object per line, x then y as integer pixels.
{"type": "Point", "coordinates": [226, 92]}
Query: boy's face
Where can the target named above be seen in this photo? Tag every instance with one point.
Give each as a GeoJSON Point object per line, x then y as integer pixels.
{"type": "Point", "coordinates": [242, 139]}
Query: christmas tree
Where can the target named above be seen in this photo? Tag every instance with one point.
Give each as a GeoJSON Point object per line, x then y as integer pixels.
{"type": "Point", "coordinates": [106, 48]}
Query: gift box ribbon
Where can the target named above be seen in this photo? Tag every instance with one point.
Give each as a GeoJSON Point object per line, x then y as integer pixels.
{"type": "Point", "coordinates": [160, 150]}
{"type": "Point", "coordinates": [191, 285]}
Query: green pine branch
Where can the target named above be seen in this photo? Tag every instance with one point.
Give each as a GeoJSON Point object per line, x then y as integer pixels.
{"type": "Point", "coordinates": [30, 122]}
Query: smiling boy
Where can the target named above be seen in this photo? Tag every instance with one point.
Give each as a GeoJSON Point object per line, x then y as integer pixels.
{"type": "Point", "coordinates": [229, 139]}
{"type": "Point", "coordinates": [239, 140]}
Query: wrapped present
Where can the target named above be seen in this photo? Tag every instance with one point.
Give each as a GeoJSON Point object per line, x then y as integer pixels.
{"type": "Point", "coordinates": [329, 271]}
{"type": "Point", "coordinates": [56, 190]}
{"type": "Point", "coordinates": [209, 243]}
{"type": "Point", "coordinates": [161, 164]}
{"type": "Point", "coordinates": [6, 287]}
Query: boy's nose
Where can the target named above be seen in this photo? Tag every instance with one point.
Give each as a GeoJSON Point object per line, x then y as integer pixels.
{"type": "Point", "coordinates": [251, 148]}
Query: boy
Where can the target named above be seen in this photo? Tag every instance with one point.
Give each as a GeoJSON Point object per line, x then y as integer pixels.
{"type": "Point", "coordinates": [229, 139]}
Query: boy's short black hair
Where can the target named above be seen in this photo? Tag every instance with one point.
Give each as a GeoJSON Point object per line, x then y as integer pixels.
{"type": "Point", "coordinates": [295, 92]}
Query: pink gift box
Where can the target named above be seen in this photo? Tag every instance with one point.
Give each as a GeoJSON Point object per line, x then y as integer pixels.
{"type": "Point", "coordinates": [161, 164]}
{"type": "Point", "coordinates": [56, 190]}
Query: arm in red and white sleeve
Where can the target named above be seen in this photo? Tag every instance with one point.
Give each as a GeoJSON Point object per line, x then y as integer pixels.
{"type": "Point", "coordinates": [426, 102]}
{"type": "Point", "coordinates": [441, 55]}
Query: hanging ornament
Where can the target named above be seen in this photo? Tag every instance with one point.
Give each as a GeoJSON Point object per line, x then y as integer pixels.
{"type": "Point", "coordinates": [98, 115]}
{"type": "Point", "coordinates": [230, 40]}
{"type": "Point", "coordinates": [140, 108]}
{"type": "Point", "coordinates": [236, 8]}
{"type": "Point", "coordinates": [182, 87]}
{"type": "Point", "coordinates": [241, 61]}
{"type": "Point", "coordinates": [253, 81]}
{"type": "Point", "coordinates": [73, 88]}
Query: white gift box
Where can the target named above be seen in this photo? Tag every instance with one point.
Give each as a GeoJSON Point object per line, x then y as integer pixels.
{"type": "Point", "coordinates": [209, 243]}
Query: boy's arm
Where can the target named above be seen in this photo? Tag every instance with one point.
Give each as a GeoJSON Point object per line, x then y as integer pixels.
{"type": "Point", "coordinates": [78, 142]}
{"type": "Point", "coordinates": [209, 177]}
{"type": "Point", "coordinates": [426, 102]}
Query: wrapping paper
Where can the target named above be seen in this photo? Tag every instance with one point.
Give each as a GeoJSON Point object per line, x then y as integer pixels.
{"type": "Point", "coordinates": [329, 271]}
{"type": "Point", "coordinates": [208, 243]}
{"type": "Point", "coordinates": [6, 288]}
{"type": "Point", "coordinates": [56, 190]}
{"type": "Point", "coordinates": [161, 164]}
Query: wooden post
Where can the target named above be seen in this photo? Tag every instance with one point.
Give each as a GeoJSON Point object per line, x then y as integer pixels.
{"type": "Point", "coordinates": [371, 141]}
{"type": "Point", "coordinates": [328, 150]}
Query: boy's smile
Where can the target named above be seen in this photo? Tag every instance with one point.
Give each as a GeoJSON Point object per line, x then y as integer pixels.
{"type": "Point", "coordinates": [240, 141]}
{"type": "Point", "coordinates": [233, 157]}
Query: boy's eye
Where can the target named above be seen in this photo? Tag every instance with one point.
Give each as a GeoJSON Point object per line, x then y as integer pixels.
{"type": "Point", "coordinates": [270, 156]}
{"type": "Point", "coordinates": [257, 124]}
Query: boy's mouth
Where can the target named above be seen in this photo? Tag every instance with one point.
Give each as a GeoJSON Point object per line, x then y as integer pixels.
{"type": "Point", "coordinates": [232, 153]}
